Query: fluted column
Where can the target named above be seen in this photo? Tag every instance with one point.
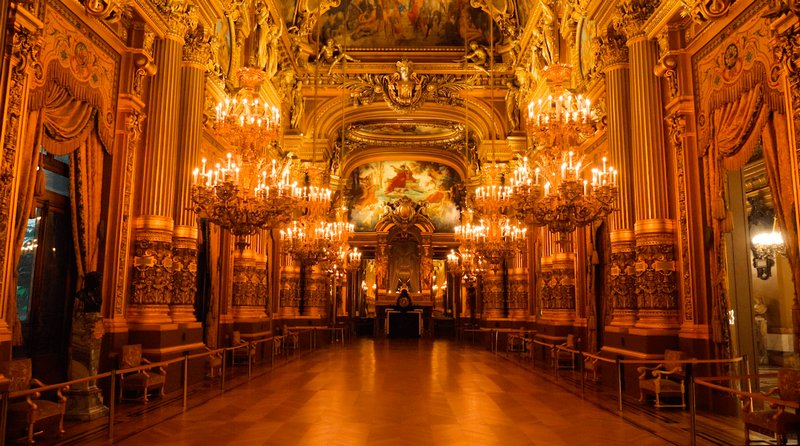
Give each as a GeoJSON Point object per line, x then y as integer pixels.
{"type": "Point", "coordinates": [153, 263]}
{"type": "Point", "coordinates": [196, 54]}
{"type": "Point", "coordinates": [656, 278]}
{"type": "Point", "coordinates": [613, 57]}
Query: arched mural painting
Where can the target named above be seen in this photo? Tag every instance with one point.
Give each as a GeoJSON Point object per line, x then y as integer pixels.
{"type": "Point", "coordinates": [374, 185]}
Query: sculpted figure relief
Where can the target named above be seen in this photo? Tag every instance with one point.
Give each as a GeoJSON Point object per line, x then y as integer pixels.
{"type": "Point", "coordinates": [333, 53]}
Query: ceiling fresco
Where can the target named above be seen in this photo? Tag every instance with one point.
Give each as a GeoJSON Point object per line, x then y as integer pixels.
{"type": "Point", "coordinates": [428, 133]}
{"type": "Point", "coordinates": [404, 23]}
{"type": "Point", "coordinates": [374, 185]}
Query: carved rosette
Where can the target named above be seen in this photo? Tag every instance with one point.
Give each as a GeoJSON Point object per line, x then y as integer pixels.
{"type": "Point", "coordinates": [493, 296]}
{"type": "Point", "coordinates": [611, 49]}
{"type": "Point", "coordinates": [152, 262]}
{"type": "Point", "coordinates": [656, 274]}
{"type": "Point", "coordinates": [622, 278]}
{"type": "Point", "coordinates": [632, 15]}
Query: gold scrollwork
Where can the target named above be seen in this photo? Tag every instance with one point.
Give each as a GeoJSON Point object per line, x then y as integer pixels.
{"type": "Point", "coordinates": [632, 15]}
{"type": "Point", "coordinates": [656, 279]}
{"type": "Point", "coordinates": [152, 271]}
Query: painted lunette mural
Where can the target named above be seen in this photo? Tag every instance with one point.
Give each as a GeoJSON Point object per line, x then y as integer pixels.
{"type": "Point", "coordinates": [405, 23]}
{"type": "Point", "coordinates": [432, 184]}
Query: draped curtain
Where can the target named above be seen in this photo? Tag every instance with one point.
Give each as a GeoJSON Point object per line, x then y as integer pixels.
{"type": "Point", "coordinates": [62, 125]}
{"type": "Point", "coordinates": [738, 127]}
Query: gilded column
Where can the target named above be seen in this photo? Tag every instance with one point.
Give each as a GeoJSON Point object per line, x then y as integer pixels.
{"type": "Point", "coordinates": [290, 291]}
{"type": "Point", "coordinates": [315, 300]}
{"type": "Point", "coordinates": [249, 283]}
{"type": "Point", "coordinates": [19, 62]}
{"type": "Point", "coordinates": [196, 54]}
{"type": "Point", "coordinates": [655, 269]}
{"type": "Point", "coordinates": [493, 293]}
{"type": "Point", "coordinates": [613, 57]}
{"type": "Point", "coordinates": [153, 263]}
{"type": "Point", "coordinates": [517, 287]}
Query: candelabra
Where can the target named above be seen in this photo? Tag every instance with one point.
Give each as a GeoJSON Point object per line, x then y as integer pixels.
{"type": "Point", "coordinates": [493, 240]}
{"type": "Point", "coordinates": [765, 246]}
{"type": "Point", "coordinates": [555, 194]}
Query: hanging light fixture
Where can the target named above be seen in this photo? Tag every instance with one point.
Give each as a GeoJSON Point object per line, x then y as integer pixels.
{"type": "Point", "coordinates": [766, 246]}
{"type": "Point", "coordinates": [555, 193]}
{"type": "Point", "coordinates": [251, 188]}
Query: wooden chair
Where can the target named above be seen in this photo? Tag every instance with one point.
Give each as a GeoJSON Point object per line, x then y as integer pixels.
{"type": "Point", "coordinates": [563, 358]}
{"type": "Point", "coordinates": [245, 352]}
{"type": "Point", "coordinates": [142, 381]}
{"type": "Point", "coordinates": [666, 380]}
{"type": "Point", "coordinates": [213, 362]}
{"type": "Point", "coordinates": [775, 420]}
{"type": "Point", "coordinates": [23, 416]}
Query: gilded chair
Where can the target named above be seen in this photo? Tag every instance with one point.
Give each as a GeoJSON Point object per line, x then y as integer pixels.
{"type": "Point", "coordinates": [775, 420]}
{"type": "Point", "coordinates": [23, 416]}
{"type": "Point", "coordinates": [246, 352]}
{"type": "Point", "coordinates": [665, 380]}
{"type": "Point", "coordinates": [140, 382]}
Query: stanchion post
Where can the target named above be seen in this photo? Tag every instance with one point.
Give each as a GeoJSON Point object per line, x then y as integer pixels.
{"type": "Point", "coordinates": [224, 367]}
{"type": "Point", "coordinates": [185, 379]}
{"type": "Point", "coordinates": [749, 380]}
{"type": "Point", "coordinates": [692, 404]}
{"type": "Point", "coordinates": [112, 406]}
{"type": "Point", "coordinates": [619, 383]}
{"type": "Point", "coordinates": [4, 410]}
{"type": "Point", "coordinates": [583, 373]}
{"type": "Point", "coordinates": [250, 358]}
{"type": "Point", "coordinates": [554, 355]}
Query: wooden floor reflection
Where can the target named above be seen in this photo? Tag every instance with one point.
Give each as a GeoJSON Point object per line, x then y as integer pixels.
{"type": "Point", "coordinates": [397, 392]}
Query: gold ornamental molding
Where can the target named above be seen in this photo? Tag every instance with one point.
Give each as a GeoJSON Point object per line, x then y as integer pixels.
{"type": "Point", "coordinates": [654, 226]}
{"type": "Point", "coordinates": [185, 232]}
{"type": "Point", "coordinates": [154, 223]}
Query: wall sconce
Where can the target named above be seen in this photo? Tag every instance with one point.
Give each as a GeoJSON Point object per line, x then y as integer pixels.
{"type": "Point", "coordinates": [765, 246]}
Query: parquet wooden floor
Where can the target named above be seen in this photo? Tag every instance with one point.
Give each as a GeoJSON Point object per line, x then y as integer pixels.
{"type": "Point", "coordinates": [397, 392]}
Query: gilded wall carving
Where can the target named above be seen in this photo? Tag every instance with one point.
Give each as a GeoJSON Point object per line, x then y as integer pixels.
{"type": "Point", "coordinates": [656, 278]}
{"type": "Point", "coordinates": [245, 282]}
{"type": "Point", "coordinates": [152, 270]}
{"type": "Point", "coordinates": [622, 279]}
{"type": "Point", "coordinates": [677, 127]}
{"type": "Point", "coordinates": [632, 15]}
{"type": "Point", "coordinates": [134, 126]}
{"type": "Point", "coordinates": [184, 272]}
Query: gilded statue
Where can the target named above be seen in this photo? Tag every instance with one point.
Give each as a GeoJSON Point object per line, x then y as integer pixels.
{"type": "Point", "coordinates": [512, 105]}
{"type": "Point", "coordinates": [478, 56]}
{"type": "Point", "coordinates": [267, 35]}
{"type": "Point", "coordinates": [298, 106]}
{"type": "Point", "coordinates": [332, 53]}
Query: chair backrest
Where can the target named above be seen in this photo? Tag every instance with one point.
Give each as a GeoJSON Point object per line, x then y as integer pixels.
{"type": "Point", "coordinates": [131, 356]}
{"type": "Point", "coordinates": [236, 338]}
{"type": "Point", "coordinates": [670, 358]}
{"type": "Point", "coordinates": [789, 384]}
{"type": "Point", "coordinates": [570, 341]}
{"type": "Point", "coordinates": [20, 372]}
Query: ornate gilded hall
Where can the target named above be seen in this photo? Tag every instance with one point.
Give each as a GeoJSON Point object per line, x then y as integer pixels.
{"type": "Point", "coordinates": [222, 185]}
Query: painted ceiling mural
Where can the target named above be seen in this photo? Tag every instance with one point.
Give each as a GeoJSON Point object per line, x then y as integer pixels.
{"type": "Point", "coordinates": [404, 23]}
{"type": "Point", "coordinates": [432, 184]}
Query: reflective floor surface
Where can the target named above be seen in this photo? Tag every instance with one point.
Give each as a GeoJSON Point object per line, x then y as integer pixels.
{"type": "Point", "coordinates": [397, 392]}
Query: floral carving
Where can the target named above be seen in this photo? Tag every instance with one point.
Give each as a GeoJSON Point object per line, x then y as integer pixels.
{"type": "Point", "coordinates": [656, 281]}
{"type": "Point", "coordinates": [622, 281]}
{"type": "Point", "coordinates": [152, 270]}
{"type": "Point", "coordinates": [184, 273]}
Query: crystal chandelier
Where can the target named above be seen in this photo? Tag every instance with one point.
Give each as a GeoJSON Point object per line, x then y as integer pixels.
{"type": "Point", "coordinates": [555, 194]}
{"type": "Point", "coordinates": [243, 194]}
{"type": "Point", "coordinates": [765, 247]}
{"type": "Point", "coordinates": [244, 120]}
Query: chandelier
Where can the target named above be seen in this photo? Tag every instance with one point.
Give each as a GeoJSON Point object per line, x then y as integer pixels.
{"type": "Point", "coordinates": [244, 120]}
{"type": "Point", "coordinates": [494, 240]}
{"type": "Point", "coordinates": [555, 194]}
{"type": "Point", "coordinates": [243, 194]}
{"type": "Point", "coordinates": [765, 247]}
{"type": "Point", "coordinates": [247, 190]}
